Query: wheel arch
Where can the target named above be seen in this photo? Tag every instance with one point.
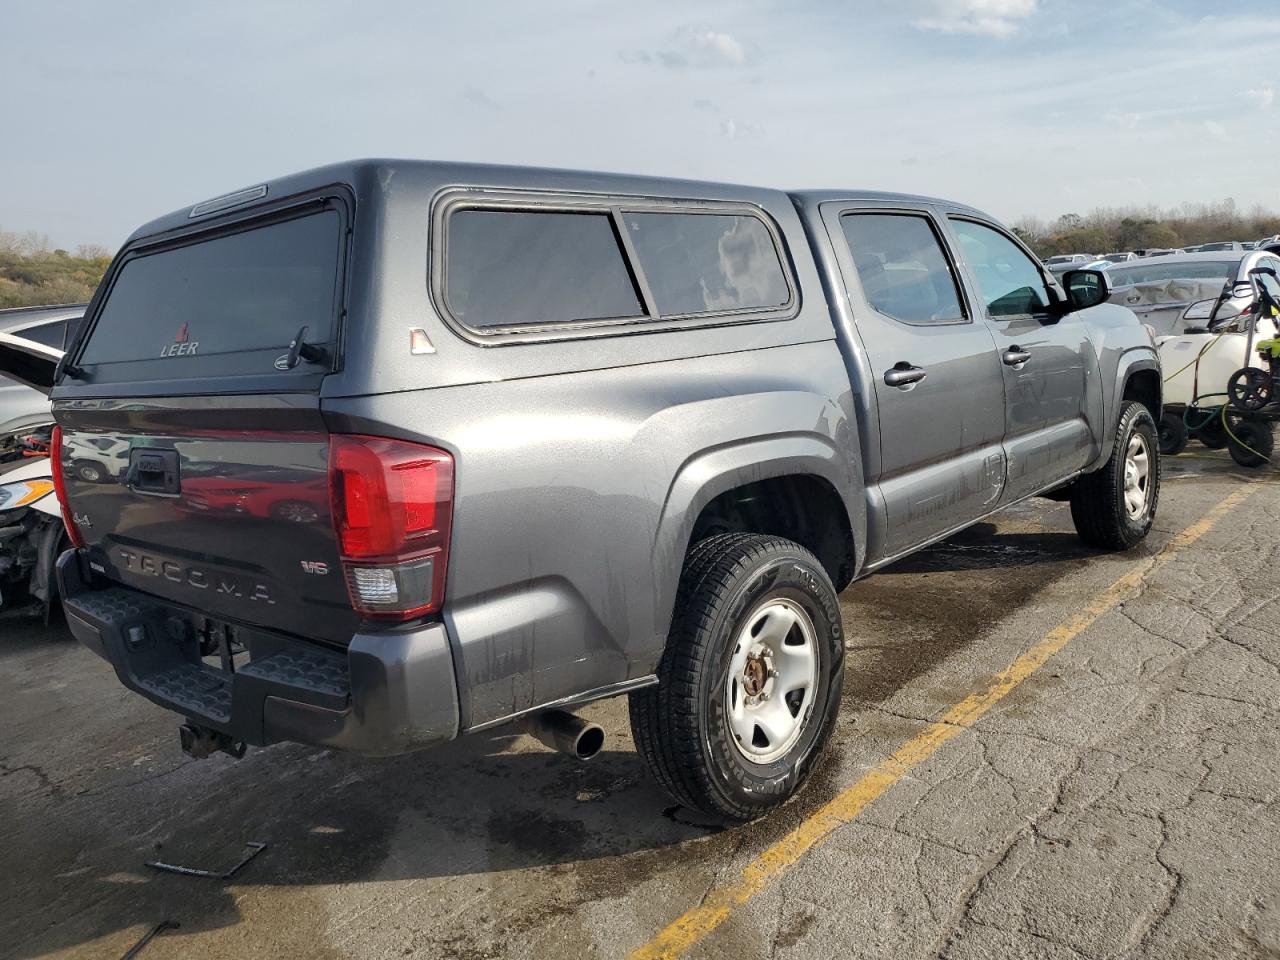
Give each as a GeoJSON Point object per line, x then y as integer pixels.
{"type": "Point", "coordinates": [803, 477]}
{"type": "Point", "coordinates": [1137, 377]}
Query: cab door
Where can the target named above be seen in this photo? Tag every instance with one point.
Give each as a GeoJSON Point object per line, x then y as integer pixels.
{"type": "Point", "coordinates": [939, 393]}
{"type": "Point", "coordinates": [1045, 356]}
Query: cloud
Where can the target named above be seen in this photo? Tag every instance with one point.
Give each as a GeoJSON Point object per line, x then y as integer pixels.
{"type": "Point", "coordinates": [1263, 97]}
{"type": "Point", "coordinates": [696, 48]}
{"type": "Point", "coordinates": [1119, 119]}
{"type": "Point", "coordinates": [734, 129]}
{"type": "Point", "coordinates": [990, 18]}
{"type": "Point", "coordinates": [1216, 131]}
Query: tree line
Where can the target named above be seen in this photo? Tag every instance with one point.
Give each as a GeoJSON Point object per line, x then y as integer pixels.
{"type": "Point", "coordinates": [1109, 230]}
{"type": "Point", "coordinates": [32, 273]}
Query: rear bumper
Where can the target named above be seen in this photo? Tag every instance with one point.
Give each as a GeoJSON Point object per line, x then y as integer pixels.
{"type": "Point", "coordinates": [391, 692]}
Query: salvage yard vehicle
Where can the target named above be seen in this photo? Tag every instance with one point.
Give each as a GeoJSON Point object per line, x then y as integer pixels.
{"type": "Point", "coordinates": [1203, 308]}
{"type": "Point", "coordinates": [31, 537]}
{"type": "Point", "coordinates": [1176, 294]}
{"type": "Point", "coordinates": [1069, 261]}
{"type": "Point", "coordinates": [31, 529]}
{"type": "Point", "coordinates": [23, 410]}
{"type": "Point", "coordinates": [579, 435]}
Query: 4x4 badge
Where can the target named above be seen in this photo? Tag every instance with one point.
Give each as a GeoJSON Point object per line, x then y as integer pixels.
{"type": "Point", "coordinates": [182, 346]}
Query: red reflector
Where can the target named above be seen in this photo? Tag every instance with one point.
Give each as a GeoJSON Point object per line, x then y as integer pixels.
{"type": "Point", "coordinates": [60, 489]}
{"type": "Point", "coordinates": [392, 506]}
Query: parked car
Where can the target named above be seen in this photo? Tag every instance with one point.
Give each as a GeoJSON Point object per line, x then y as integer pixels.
{"type": "Point", "coordinates": [1069, 261]}
{"type": "Point", "coordinates": [23, 410]}
{"type": "Point", "coordinates": [1271, 244]}
{"type": "Point", "coordinates": [630, 436]}
{"type": "Point", "coordinates": [1175, 293]}
{"type": "Point", "coordinates": [31, 537]}
{"type": "Point", "coordinates": [31, 529]}
{"type": "Point", "coordinates": [1219, 246]}
{"type": "Point", "coordinates": [1192, 249]}
{"type": "Point", "coordinates": [1248, 245]}
{"type": "Point", "coordinates": [1119, 257]}
{"type": "Point", "coordinates": [1161, 253]}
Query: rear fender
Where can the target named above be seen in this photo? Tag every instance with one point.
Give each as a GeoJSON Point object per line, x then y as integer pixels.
{"type": "Point", "coordinates": [710, 473]}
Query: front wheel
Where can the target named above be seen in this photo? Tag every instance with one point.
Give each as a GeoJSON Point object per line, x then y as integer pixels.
{"type": "Point", "coordinates": [1114, 507]}
{"type": "Point", "coordinates": [749, 683]}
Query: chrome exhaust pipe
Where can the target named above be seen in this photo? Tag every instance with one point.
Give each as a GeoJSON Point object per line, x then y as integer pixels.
{"type": "Point", "coordinates": [566, 732]}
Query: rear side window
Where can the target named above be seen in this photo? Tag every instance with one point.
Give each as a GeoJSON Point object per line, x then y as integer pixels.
{"type": "Point", "coordinates": [707, 263]}
{"type": "Point", "coordinates": [521, 269]}
{"type": "Point", "coordinates": [224, 306]}
{"type": "Point", "coordinates": [517, 268]}
{"type": "Point", "coordinates": [902, 269]}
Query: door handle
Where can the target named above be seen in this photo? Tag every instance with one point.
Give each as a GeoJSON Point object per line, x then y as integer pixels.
{"type": "Point", "coordinates": [903, 374]}
{"type": "Point", "coordinates": [1015, 356]}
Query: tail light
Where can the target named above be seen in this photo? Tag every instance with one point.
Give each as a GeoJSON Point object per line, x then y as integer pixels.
{"type": "Point", "coordinates": [60, 489]}
{"type": "Point", "coordinates": [392, 509]}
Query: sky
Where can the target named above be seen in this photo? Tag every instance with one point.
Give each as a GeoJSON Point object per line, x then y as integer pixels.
{"type": "Point", "coordinates": [117, 112]}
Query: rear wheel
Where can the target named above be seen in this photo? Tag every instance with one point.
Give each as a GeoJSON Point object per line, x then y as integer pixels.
{"type": "Point", "coordinates": [88, 471]}
{"type": "Point", "coordinates": [1114, 507]}
{"type": "Point", "coordinates": [1173, 434]}
{"type": "Point", "coordinates": [749, 683]}
{"type": "Point", "coordinates": [1252, 443]}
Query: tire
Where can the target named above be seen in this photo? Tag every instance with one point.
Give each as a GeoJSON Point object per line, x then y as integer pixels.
{"type": "Point", "coordinates": [88, 471]}
{"type": "Point", "coordinates": [684, 727]}
{"type": "Point", "coordinates": [1255, 435]}
{"type": "Point", "coordinates": [1173, 434]}
{"type": "Point", "coordinates": [1211, 432]}
{"type": "Point", "coordinates": [1108, 512]}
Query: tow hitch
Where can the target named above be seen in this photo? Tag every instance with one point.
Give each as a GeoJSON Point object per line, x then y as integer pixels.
{"type": "Point", "coordinates": [201, 742]}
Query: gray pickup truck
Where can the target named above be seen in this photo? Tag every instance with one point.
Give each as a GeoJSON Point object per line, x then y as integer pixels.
{"type": "Point", "coordinates": [401, 451]}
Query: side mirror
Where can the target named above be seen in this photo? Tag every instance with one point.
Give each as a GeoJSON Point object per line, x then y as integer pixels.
{"type": "Point", "coordinates": [1085, 289]}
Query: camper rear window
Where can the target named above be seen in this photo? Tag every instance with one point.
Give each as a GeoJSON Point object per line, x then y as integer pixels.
{"type": "Point", "coordinates": [225, 306]}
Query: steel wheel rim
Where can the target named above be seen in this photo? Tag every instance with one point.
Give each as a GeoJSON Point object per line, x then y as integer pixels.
{"type": "Point", "coordinates": [772, 680]}
{"type": "Point", "coordinates": [1137, 476]}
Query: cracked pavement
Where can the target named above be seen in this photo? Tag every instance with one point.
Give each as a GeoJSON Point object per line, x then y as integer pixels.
{"type": "Point", "coordinates": [1121, 803]}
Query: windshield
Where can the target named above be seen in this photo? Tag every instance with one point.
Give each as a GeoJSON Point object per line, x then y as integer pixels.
{"type": "Point", "coordinates": [1116, 257]}
{"type": "Point", "coordinates": [1177, 270]}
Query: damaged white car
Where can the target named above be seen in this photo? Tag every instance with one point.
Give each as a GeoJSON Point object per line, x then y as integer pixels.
{"type": "Point", "coordinates": [1201, 308]}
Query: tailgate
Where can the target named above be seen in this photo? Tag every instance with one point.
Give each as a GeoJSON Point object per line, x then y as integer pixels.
{"type": "Point", "coordinates": [234, 523]}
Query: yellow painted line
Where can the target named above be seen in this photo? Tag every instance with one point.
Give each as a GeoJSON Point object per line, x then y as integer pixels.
{"type": "Point", "coordinates": [716, 907]}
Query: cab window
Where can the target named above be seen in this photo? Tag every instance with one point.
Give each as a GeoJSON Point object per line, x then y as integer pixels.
{"type": "Point", "coordinates": [902, 269]}
{"type": "Point", "coordinates": [1010, 282]}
